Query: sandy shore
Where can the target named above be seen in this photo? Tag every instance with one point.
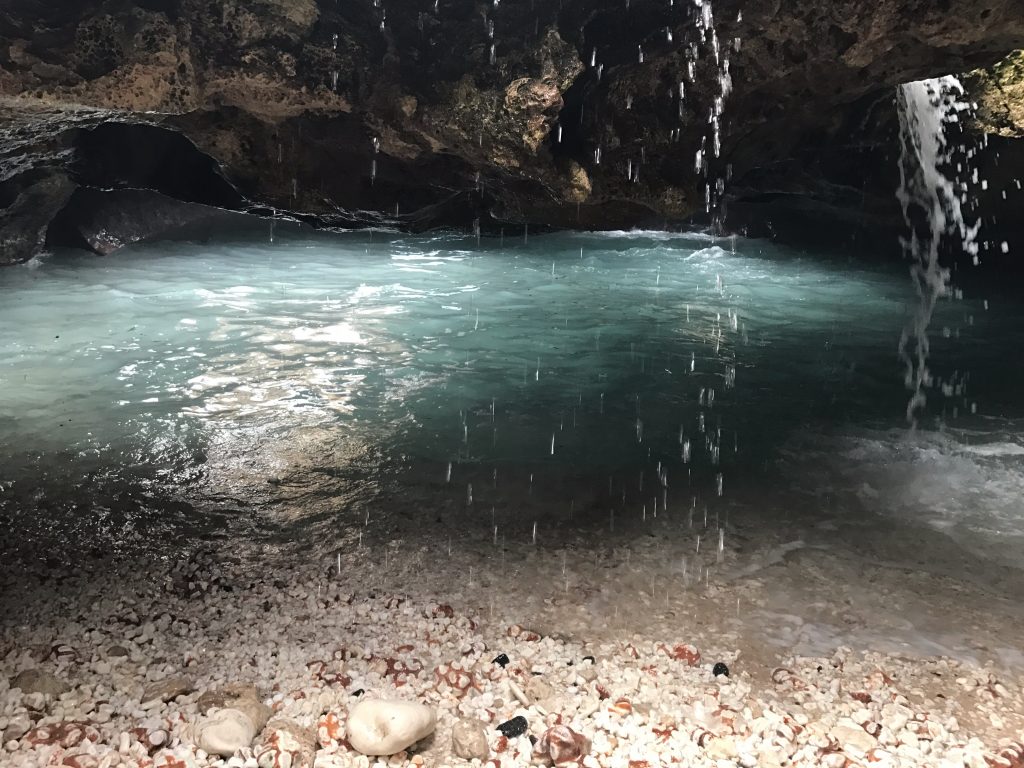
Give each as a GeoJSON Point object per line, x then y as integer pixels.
{"type": "Point", "coordinates": [126, 662]}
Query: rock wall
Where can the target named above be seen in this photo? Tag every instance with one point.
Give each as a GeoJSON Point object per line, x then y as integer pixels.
{"type": "Point", "coordinates": [450, 112]}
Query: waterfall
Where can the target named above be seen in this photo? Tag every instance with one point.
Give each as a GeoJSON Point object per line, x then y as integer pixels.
{"type": "Point", "coordinates": [932, 195]}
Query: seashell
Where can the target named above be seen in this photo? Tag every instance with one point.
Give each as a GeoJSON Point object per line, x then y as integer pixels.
{"type": "Point", "coordinates": [67, 734]}
{"type": "Point", "coordinates": [398, 670]}
{"type": "Point", "coordinates": [151, 740]}
{"type": "Point", "coordinates": [518, 692]}
{"type": "Point", "coordinates": [562, 745]}
{"type": "Point", "coordinates": [443, 611]}
{"type": "Point", "coordinates": [526, 635]}
{"type": "Point", "coordinates": [665, 733]}
{"type": "Point", "coordinates": [701, 736]}
{"type": "Point", "coordinates": [1010, 755]}
{"type": "Point", "coordinates": [80, 761]}
{"type": "Point", "coordinates": [168, 759]}
{"type": "Point", "coordinates": [878, 679]}
{"type": "Point", "coordinates": [872, 728]}
{"type": "Point", "coordinates": [683, 652]}
{"type": "Point", "coordinates": [64, 652]}
{"type": "Point", "coordinates": [329, 730]}
{"type": "Point", "coordinates": [622, 707]}
{"type": "Point", "coordinates": [456, 678]}
{"type": "Point", "coordinates": [785, 678]}
{"type": "Point", "coordinates": [284, 747]}
{"type": "Point", "coordinates": [878, 755]}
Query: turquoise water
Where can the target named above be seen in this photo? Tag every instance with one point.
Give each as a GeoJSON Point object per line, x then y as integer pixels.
{"type": "Point", "coordinates": [312, 390]}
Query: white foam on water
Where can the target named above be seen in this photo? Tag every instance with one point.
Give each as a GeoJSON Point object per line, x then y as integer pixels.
{"type": "Point", "coordinates": [973, 492]}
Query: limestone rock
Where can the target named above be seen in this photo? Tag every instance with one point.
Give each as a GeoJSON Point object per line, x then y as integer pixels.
{"type": "Point", "coordinates": [469, 739]}
{"type": "Point", "coordinates": [38, 681]}
{"type": "Point", "coordinates": [382, 727]}
{"type": "Point", "coordinates": [222, 732]}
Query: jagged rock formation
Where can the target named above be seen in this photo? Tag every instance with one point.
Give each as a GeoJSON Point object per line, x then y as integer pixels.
{"type": "Point", "coordinates": [444, 113]}
{"type": "Point", "coordinates": [1000, 94]}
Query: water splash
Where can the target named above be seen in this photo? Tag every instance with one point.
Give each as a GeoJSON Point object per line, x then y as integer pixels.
{"type": "Point", "coordinates": [932, 197]}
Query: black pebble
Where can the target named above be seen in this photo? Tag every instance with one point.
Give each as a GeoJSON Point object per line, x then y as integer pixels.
{"type": "Point", "coordinates": [515, 727]}
{"type": "Point", "coordinates": [501, 660]}
{"type": "Point", "coordinates": [720, 669]}
{"type": "Point", "coordinates": [591, 659]}
{"type": "Point", "coordinates": [358, 692]}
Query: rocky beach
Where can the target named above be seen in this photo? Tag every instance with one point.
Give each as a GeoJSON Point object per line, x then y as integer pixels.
{"type": "Point", "coordinates": [352, 662]}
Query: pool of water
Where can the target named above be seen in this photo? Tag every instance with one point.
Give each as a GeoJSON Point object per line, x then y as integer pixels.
{"type": "Point", "coordinates": [315, 393]}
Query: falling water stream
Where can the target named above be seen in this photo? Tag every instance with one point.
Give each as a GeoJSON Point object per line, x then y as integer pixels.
{"type": "Point", "coordinates": [935, 182]}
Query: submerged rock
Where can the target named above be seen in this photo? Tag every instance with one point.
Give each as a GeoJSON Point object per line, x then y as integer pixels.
{"type": "Point", "coordinates": [381, 727]}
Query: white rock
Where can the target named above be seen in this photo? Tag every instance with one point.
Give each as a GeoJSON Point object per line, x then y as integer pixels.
{"type": "Point", "coordinates": [223, 732]}
{"type": "Point", "coordinates": [852, 738]}
{"type": "Point", "coordinates": [469, 739]}
{"type": "Point", "coordinates": [379, 727]}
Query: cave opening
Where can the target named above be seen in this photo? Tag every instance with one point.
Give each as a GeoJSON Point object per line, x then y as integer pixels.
{"type": "Point", "coordinates": [414, 383]}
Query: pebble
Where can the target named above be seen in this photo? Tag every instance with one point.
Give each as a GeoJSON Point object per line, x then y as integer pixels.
{"type": "Point", "coordinates": [469, 739]}
{"type": "Point", "coordinates": [241, 696]}
{"type": "Point", "coordinates": [852, 738]}
{"type": "Point", "coordinates": [167, 690]}
{"type": "Point", "coordinates": [515, 727]}
{"type": "Point", "coordinates": [383, 727]}
{"type": "Point", "coordinates": [640, 705]}
{"type": "Point", "coordinates": [37, 681]}
{"type": "Point", "coordinates": [501, 660]}
{"type": "Point", "coordinates": [16, 728]}
{"type": "Point", "coordinates": [223, 732]}
{"type": "Point", "coordinates": [561, 744]}
{"type": "Point", "coordinates": [720, 669]}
